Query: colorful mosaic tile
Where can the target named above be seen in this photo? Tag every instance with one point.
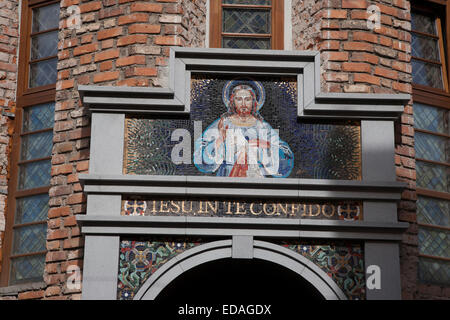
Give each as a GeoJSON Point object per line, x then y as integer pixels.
{"type": "Point", "coordinates": [139, 259]}
{"type": "Point", "coordinates": [324, 150]}
{"type": "Point", "coordinates": [343, 262]}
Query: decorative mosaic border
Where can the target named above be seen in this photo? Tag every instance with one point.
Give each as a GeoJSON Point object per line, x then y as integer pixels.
{"type": "Point", "coordinates": [139, 259]}
{"type": "Point", "coordinates": [343, 262]}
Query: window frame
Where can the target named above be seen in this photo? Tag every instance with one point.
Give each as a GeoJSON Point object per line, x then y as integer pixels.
{"type": "Point", "coordinates": [26, 97]}
{"type": "Point", "coordinates": [438, 98]}
{"type": "Point", "coordinates": [277, 26]}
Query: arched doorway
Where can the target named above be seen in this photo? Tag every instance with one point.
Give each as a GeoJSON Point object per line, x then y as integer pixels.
{"type": "Point", "coordinates": [222, 250]}
{"type": "Point", "coordinates": [239, 279]}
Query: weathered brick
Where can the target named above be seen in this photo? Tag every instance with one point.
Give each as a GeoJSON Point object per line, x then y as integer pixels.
{"type": "Point", "coordinates": [76, 198]}
{"type": "Point", "coordinates": [52, 291]}
{"type": "Point", "coordinates": [365, 57]}
{"type": "Point", "coordinates": [62, 169]}
{"type": "Point", "coordinates": [109, 33]}
{"type": "Point", "coordinates": [356, 67]}
{"type": "Point", "coordinates": [58, 212]}
{"type": "Point", "coordinates": [340, 35]}
{"type": "Point", "coordinates": [358, 46]}
{"type": "Point", "coordinates": [90, 6]}
{"type": "Point", "coordinates": [133, 82]}
{"type": "Point", "coordinates": [363, 77]}
{"type": "Point", "coordinates": [132, 39]}
{"type": "Point", "coordinates": [335, 14]}
{"type": "Point", "coordinates": [354, 4]}
{"type": "Point", "coordinates": [365, 36]}
{"type": "Point", "coordinates": [126, 61]}
{"type": "Point", "coordinates": [105, 55]}
{"type": "Point", "coordinates": [132, 18]}
{"type": "Point", "coordinates": [387, 73]}
{"type": "Point", "coordinates": [144, 28]}
{"type": "Point", "coordinates": [106, 76]}
{"type": "Point", "coordinates": [146, 7]}
{"type": "Point", "coordinates": [335, 56]}
{"type": "Point", "coordinates": [168, 41]}
{"type": "Point", "coordinates": [106, 65]}
{"type": "Point", "coordinates": [70, 221]}
{"type": "Point", "coordinates": [87, 48]}
{"type": "Point", "coordinates": [31, 295]}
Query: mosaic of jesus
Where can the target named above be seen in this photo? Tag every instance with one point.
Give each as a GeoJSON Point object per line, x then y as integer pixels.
{"type": "Point", "coordinates": [240, 143]}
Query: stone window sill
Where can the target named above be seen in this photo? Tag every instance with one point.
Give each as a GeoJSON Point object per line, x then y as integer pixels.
{"type": "Point", "coordinates": [16, 289]}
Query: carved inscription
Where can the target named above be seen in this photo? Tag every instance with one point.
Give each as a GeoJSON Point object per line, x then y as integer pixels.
{"type": "Point", "coordinates": [342, 210]}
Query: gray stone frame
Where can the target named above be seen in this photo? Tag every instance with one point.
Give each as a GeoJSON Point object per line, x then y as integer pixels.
{"type": "Point", "coordinates": [105, 184]}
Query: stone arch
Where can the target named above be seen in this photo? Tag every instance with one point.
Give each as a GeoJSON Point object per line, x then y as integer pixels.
{"type": "Point", "coordinates": [223, 249]}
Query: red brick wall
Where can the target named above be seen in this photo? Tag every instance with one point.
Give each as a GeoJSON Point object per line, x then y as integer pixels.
{"type": "Point", "coordinates": [119, 43]}
{"type": "Point", "coordinates": [357, 59]}
{"type": "Point", "coordinates": [9, 28]}
{"type": "Point", "coordinates": [126, 43]}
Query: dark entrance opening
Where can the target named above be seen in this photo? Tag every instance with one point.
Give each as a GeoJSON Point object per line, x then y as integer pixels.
{"type": "Point", "coordinates": [239, 279]}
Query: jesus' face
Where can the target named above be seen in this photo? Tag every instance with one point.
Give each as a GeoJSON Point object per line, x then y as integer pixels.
{"type": "Point", "coordinates": [243, 102]}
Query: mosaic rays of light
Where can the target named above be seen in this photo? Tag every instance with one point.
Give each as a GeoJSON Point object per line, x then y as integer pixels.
{"type": "Point", "coordinates": [326, 150]}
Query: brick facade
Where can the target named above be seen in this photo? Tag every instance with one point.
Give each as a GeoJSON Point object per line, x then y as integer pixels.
{"type": "Point", "coordinates": [126, 43]}
{"type": "Point", "coordinates": [9, 37]}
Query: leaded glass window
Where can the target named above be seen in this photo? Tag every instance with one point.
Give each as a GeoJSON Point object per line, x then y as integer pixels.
{"type": "Point", "coordinates": [428, 61]}
{"type": "Point", "coordinates": [30, 222]}
{"type": "Point", "coordinates": [432, 145]}
{"type": "Point", "coordinates": [44, 45]}
{"type": "Point", "coordinates": [24, 247]}
{"type": "Point", "coordinates": [431, 109]}
{"type": "Point", "coordinates": [247, 24]}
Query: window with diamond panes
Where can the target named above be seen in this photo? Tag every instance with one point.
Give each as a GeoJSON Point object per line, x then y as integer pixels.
{"type": "Point", "coordinates": [44, 45]}
{"type": "Point", "coordinates": [28, 202]}
{"type": "Point", "coordinates": [432, 146]}
{"type": "Point", "coordinates": [431, 110]}
{"type": "Point", "coordinates": [247, 24]}
{"type": "Point", "coordinates": [427, 45]}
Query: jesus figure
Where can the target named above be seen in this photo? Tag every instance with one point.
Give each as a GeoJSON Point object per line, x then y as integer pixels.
{"type": "Point", "coordinates": [241, 143]}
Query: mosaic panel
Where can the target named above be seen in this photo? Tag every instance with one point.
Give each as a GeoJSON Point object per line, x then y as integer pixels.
{"type": "Point", "coordinates": [139, 259]}
{"type": "Point", "coordinates": [243, 128]}
{"type": "Point", "coordinates": [343, 210]}
{"type": "Point", "coordinates": [343, 262]}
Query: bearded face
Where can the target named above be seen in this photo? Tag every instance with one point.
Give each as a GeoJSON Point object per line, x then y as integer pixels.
{"type": "Point", "coordinates": [243, 101]}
